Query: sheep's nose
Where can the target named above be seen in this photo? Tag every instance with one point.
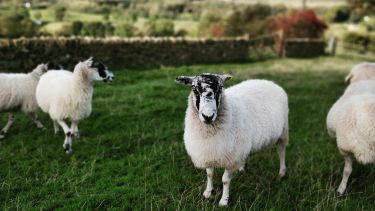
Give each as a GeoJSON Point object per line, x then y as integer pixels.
{"type": "Point", "coordinates": [207, 119]}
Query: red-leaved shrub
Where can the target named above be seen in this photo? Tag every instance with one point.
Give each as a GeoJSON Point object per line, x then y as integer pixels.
{"type": "Point", "coordinates": [217, 31]}
{"type": "Point", "coordinates": [299, 24]}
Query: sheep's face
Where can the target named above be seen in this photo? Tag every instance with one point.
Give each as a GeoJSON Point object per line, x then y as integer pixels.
{"type": "Point", "coordinates": [98, 71]}
{"type": "Point", "coordinates": [207, 91]}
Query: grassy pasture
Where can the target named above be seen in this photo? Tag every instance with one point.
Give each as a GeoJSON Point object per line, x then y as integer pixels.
{"type": "Point", "coordinates": [131, 153]}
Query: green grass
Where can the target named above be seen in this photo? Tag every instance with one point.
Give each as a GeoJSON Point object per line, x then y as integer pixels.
{"type": "Point", "coordinates": [131, 153]}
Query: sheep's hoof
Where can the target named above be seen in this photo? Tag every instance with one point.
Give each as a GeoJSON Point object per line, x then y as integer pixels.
{"type": "Point", "coordinates": [68, 149]}
{"type": "Point", "coordinates": [242, 169]}
{"type": "Point", "coordinates": [207, 194]}
{"type": "Point", "coordinates": [223, 202]}
{"type": "Point", "coordinates": [341, 191]}
{"type": "Point", "coordinates": [282, 172]}
{"type": "Point", "coordinates": [2, 134]}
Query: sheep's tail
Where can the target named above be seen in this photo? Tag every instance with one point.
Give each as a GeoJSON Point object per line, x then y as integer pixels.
{"type": "Point", "coordinates": [331, 133]}
{"type": "Point", "coordinates": [348, 77]}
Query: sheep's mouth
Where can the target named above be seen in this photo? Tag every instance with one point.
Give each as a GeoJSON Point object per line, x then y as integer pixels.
{"type": "Point", "coordinates": [108, 81]}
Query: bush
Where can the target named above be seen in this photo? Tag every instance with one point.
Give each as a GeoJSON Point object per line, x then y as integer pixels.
{"type": "Point", "coordinates": [210, 19]}
{"type": "Point", "coordinates": [77, 27]}
{"type": "Point", "coordinates": [17, 23]}
{"type": "Point", "coordinates": [125, 29]}
{"type": "Point", "coordinates": [95, 29]}
{"type": "Point", "coordinates": [251, 20]}
{"type": "Point", "coordinates": [360, 41]}
{"type": "Point", "coordinates": [160, 28]}
{"type": "Point", "coordinates": [60, 13]}
{"type": "Point", "coordinates": [355, 38]}
{"type": "Point", "coordinates": [369, 23]}
{"type": "Point", "coordinates": [109, 29]}
{"type": "Point", "coordinates": [299, 24]}
{"type": "Point", "coordinates": [338, 14]}
{"type": "Point", "coordinates": [361, 8]}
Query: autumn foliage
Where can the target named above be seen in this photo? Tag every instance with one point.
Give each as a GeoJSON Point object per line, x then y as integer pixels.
{"type": "Point", "coordinates": [299, 24]}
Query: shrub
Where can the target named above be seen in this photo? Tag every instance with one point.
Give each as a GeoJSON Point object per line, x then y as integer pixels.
{"type": "Point", "coordinates": [360, 41]}
{"type": "Point", "coordinates": [125, 29]}
{"type": "Point", "coordinates": [338, 14]}
{"type": "Point", "coordinates": [372, 42]}
{"type": "Point", "coordinates": [361, 8]}
{"type": "Point", "coordinates": [369, 23]}
{"type": "Point", "coordinates": [208, 21]}
{"type": "Point", "coordinates": [95, 29]}
{"type": "Point", "coordinates": [160, 28]}
{"type": "Point", "coordinates": [299, 24]}
{"type": "Point", "coordinates": [77, 27]}
{"type": "Point", "coordinates": [251, 20]}
{"type": "Point", "coordinates": [60, 13]}
{"type": "Point", "coordinates": [109, 29]}
{"type": "Point", "coordinates": [17, 23]}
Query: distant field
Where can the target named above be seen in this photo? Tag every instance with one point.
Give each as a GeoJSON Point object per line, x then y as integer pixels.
{"type": "Point", "coordinates": [291, 3]}
{"type": "Point", "coordinates": [131, 153]}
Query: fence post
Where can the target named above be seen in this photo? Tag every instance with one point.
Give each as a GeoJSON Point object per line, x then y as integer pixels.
{"type": "Point", "coordinates": [280, 43]}
{"type": "Point", "coordinates": [332, 44]}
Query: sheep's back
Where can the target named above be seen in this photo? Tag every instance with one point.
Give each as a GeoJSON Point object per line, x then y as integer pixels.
{"type": "Point", "coordinates": [356, 127]}
{"type": "Point", "coordinates": [260, 111]}
{"type": "Point", "coordinates": [363, 71]}
{"type": "Point", "coordinates": [53, 91]}
{"type": "Point", "coordinates": [17, 91]}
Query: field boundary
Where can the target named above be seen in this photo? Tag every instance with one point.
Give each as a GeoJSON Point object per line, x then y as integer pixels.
{"type": "Point", "coordinates": [23, 54]}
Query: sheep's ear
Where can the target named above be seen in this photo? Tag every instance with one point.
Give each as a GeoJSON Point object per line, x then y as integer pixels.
{"type": "Point", "coordinates": [225, 77]}
{"type": "Point", "coordinates": [185, 80]}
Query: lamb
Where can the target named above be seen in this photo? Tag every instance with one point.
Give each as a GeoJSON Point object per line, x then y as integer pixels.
{"type": "Point", "coordinates": [222, 127]}
{"type": "Point", "coordinates": [351, 121]}
{"type": "Point", "coordinates": [68, 95]}
{"type": "Point", "coordinates": [17, 92]}
{"type": "Point", "coordinates": [362, 71]}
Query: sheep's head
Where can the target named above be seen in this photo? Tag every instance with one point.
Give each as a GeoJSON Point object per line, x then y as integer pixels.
{"type": "Point", "coordinates": [207, 92]}
{"type": "Point", "coordinates": [40, 70]}
{"type": "Point", "coordinates": [98, 71]}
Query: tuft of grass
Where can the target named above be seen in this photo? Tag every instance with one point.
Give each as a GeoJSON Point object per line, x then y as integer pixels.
{"type": "Point", "coordinates": [131, 153]}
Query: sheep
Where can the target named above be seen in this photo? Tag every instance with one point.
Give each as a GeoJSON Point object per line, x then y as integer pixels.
{"type": "Point", "coordinates": [68, 95]}
{"type": "Point", "coordinates": [362, 71]}
{"type": "Point", "coordinates": [222, 127]}
{"type": "Point", "coordinates": [351, 122]}
{"type": "Point", "coordinates": [17, 92]}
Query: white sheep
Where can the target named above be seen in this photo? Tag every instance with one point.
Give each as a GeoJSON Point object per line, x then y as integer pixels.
{"type": "Point", "coordinates": [362, 71]}
{"type": "Point", "coordinates": [222, 127]}
{"type": "Point", "coordinates": [17, 92]}
{"type": "Point", "coordinates": [67, 95]}
{"type": "Point", "coordinates": [351, 121]}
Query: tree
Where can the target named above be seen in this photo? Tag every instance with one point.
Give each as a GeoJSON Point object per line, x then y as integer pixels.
{"type": "Point", "coordinates": [250, 20]}
{"type": "Point", "coordinates": [361, 8]}
{"type": "Point", "coordinates": [60, 13]}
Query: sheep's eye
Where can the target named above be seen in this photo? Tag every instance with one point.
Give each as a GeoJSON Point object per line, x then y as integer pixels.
{"type": "Point", "coordinates": [194, 88]}
{"type": "Point", "coordinates": [209, 94]}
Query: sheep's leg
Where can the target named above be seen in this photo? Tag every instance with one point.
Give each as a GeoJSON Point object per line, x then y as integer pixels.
{"type": "Point", "coordinates": [281, 149]}
{"type": "Point", "coordinates": [35, 119]}
{"type": "Point", "coordinates": [11, 120]}
{"type": "Point", "coordinates": [68, 137]}
{"type": "Point", "coordinates": [74, 128]}
{"type": "Point", "coordinates": [281, 146]}
{"type": "Point", "coordinates": [210, 186]}
{"type": "Point", "coordinates": [345, 175]}
{"type": "Point", "coordinates": [227, 176]}
{"type": "Point", "coordinates": [56, 127]}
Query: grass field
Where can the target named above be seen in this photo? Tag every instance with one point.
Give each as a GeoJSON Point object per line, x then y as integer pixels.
{"type": "Point", "coordinates": [131, 154]}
